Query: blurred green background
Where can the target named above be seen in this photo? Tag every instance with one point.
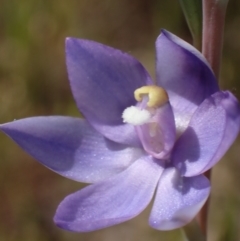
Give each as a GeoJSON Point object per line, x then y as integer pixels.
{"type": "Point", "coordinates": [33, 81]}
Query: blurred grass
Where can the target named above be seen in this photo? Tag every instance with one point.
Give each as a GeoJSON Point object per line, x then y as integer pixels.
{"type": "Point", "coordinates": [33, 81]}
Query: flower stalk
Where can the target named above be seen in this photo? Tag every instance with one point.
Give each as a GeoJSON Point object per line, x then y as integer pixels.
{"type": "Point", "coordinates": [214, 12]}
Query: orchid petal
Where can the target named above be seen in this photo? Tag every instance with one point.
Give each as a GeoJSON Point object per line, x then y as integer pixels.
{"type": "Point", "coordinates": [112, 201]}
{"type": "Point", "coordinates": [212, 130]}
{"type": "Point", "coordinates": [178, 199]}
{"type": "Point", "coordinates": [159, 134]}
{"type": "Point", "coordinates": [185, 74]}
{"type": "Point", "coordinates": [103, 81]}
{"type": "Point", "coordinates": [71, 147]}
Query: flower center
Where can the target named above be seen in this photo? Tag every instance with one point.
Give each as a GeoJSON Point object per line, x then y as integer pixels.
{"type": "Point", "coordinates": [153, 120]}
{"type": "Point", "coordinates": [150, 97]}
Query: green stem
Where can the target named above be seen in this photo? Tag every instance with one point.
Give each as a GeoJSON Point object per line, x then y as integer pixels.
{"type": "Point", "coordinates": [193, 14]}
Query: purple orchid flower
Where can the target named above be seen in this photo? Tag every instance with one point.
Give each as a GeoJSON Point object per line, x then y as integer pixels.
{"type": "Point", "coordinates": [139, 137]}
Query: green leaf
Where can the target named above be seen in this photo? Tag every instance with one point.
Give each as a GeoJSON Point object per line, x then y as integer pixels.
{"type": "Point", "coordinates": [192, 10]}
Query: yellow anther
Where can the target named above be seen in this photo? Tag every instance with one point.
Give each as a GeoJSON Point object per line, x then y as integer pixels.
{"type": "Point", "coordinates": [157, 95]}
